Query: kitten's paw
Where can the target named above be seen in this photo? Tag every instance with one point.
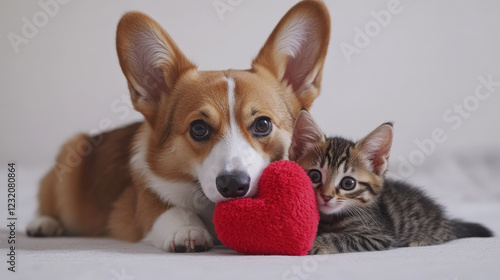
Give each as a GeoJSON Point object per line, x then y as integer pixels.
{"type": "Point", "coordinates": [44, 226]}
{"type": "Point", "coordinates": [189, 239]}
{"type": "Point", "coordinates": [318, 251]}
{"type": "Point", "coordinates": [419, 243]}
{"type": "Point", "coordinates": [322, 245]}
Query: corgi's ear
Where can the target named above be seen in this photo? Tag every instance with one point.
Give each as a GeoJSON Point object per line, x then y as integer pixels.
{"type": "Point", "coordinates": [295, 51]}
{"type": "Point", "coordinates": [376, 147]}
{"type": "Point", "coordinates": [150, 60]}
{"type": "Point", "coordinates": [306, 133]}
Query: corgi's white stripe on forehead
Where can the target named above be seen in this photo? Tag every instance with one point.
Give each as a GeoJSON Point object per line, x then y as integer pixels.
{"type": "Point", "coordinates": [231, 153]}
{"type": "Point", "coordinates": [231, 101]}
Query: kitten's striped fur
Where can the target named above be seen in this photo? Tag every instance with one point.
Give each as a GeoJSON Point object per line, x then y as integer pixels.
{"type": "Point", "coordinates": [377, 213]}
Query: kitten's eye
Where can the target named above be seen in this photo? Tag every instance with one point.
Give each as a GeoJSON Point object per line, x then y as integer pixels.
{"type": "Point", "coordinates": [262, 127]}
{"type": "Point", "coordinates": [315, 176]}
{"type": "Point", "coordinates": [200, 130]}
{"type": "Point", "coordinates": [348, 183]}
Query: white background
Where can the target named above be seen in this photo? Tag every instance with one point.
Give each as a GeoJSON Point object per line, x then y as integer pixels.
{"type": "Point", "coordinates": [67, 78]}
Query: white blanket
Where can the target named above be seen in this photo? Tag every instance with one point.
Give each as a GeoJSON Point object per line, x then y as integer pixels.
{"type": "Point", "coordinates": [107, 259]}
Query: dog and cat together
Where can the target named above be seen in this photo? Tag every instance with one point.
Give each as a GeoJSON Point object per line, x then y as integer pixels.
{"type": "Point", "coordinates": [202, 129]}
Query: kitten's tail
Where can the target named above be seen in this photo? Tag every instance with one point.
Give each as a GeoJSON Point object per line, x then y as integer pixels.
{"type": "Point", "coordinates": [463, 229]}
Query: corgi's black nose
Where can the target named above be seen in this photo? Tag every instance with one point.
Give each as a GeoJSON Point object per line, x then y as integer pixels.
{"type": "Point", "coordinates": [233, 184]}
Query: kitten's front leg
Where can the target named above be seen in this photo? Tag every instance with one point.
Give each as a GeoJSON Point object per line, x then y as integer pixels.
{"type": "Point", "coordinates": [179, 230]}
{"type": "Point", "coordinates": [333, 243]}
{"type": "Point", "coordinates": [325, 244]}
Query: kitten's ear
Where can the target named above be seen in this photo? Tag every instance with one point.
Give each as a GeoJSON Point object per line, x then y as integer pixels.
{"type": "Point", "coordinates": [376, 147]}
{"type": "Point", "coordinates": [295, 51]}
{"type": "Point", "coordinates": [150, 60]}
{"type": "Point", "coordinates": [306, 133]}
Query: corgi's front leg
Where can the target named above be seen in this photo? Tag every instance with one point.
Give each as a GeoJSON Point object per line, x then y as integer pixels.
{"type": "Point", "coordinates": [179, 230]}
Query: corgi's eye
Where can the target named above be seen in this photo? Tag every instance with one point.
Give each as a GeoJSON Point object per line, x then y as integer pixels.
{"type": "Point", "coordinates": [348, 183]}
{"type": "Point", "coordinates": [200, 130]}
{"type": "Point", "coordinates": [262, 126]}
{"type": "Point", "coordinates": [315, 176]}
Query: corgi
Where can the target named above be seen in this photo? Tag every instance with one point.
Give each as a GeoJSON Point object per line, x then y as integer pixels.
{"type": "Point", "coordinates": [206, 136]}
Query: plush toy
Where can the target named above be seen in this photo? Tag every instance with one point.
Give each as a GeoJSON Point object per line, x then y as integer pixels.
{"type": "Point", "coordinates": [281, 220]}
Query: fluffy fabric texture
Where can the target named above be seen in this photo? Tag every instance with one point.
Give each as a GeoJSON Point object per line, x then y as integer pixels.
{"type": "Point", "coordinates": [281, 220]}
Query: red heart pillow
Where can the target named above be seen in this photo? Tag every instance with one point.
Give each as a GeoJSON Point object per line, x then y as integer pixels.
{"type": "Point", "coordinates": [281, 220]}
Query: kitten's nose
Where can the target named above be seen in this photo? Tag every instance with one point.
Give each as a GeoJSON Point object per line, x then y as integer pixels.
{"type": "Point", "coordinates": [233, 185]}
{"type": "Point", "coordinates": [326, 198]}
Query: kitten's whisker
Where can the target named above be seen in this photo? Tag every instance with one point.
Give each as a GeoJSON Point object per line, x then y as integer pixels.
{"type": "Point", "coordinates": [370, 214]}
{"type": "Point", "coordinates": [356, 213]}
{"type": "Point", "coordinates": [361, 215]}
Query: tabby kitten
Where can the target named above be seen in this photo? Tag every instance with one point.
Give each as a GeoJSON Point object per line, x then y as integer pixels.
{"type": "Point", "coordinates": [361, 210]}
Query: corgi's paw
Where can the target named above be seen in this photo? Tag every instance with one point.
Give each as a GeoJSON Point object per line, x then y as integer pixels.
{"type": "Point", "coordinates": [179, 230]}
{"type": "Point", "coordinates": [190, 239]}
{"type": "Point", "coordinates": [44, 226]}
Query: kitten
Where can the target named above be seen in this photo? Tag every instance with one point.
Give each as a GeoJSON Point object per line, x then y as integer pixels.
{"type": "Point", "coordinates": [361, 210]}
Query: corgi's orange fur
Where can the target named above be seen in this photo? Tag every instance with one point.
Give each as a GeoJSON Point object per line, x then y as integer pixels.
{"type": "Point", "coordinates": [158, 180]}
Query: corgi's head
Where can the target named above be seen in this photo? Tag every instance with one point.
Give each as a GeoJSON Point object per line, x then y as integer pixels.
{"type": "Point", "coordinates": [222, 128]}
